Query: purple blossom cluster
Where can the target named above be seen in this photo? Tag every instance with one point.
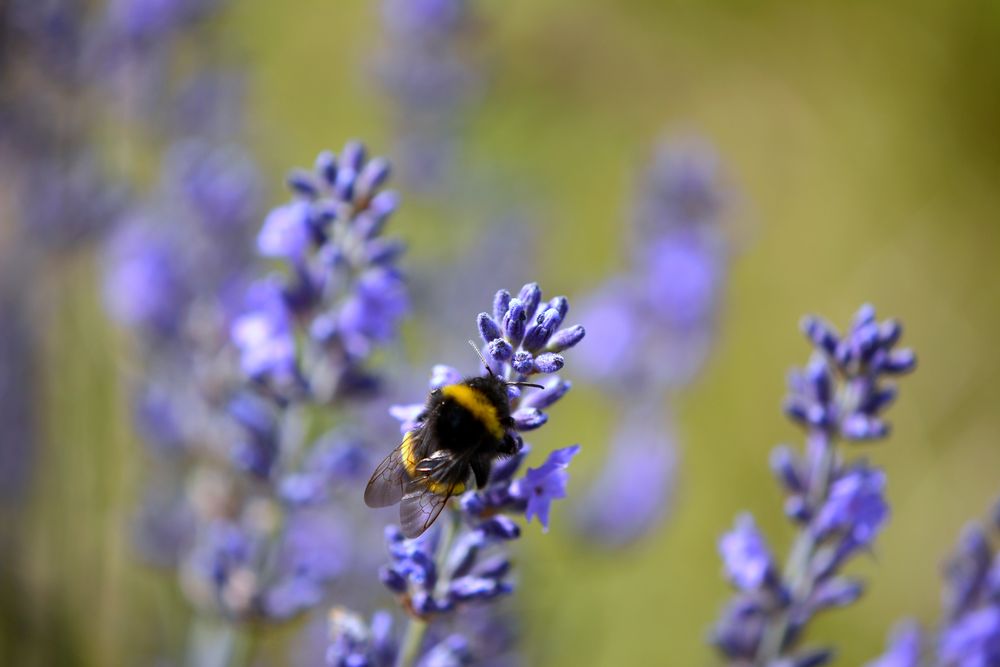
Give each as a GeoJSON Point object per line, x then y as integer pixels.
{"type": "Point", "coordinates": [652, 327]}
{"type": "Point", "coordinates": [463, 564]}
{"type": "Point", "coordinates": [838, 506]}
{"type": "Point", "coordinates": [278, 539]}
{"type": "Point", "coordinates": [340, 284]}
{"type": "Point", "coordinates": [245, 380]}
{"type": "Point", "coordinates": [970, 632]}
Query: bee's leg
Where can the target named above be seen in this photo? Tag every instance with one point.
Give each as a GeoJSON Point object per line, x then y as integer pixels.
{"type": "Point", "coordinates": [481, 469]}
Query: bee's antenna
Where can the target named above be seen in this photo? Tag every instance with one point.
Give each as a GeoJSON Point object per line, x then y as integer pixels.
{"type": "Point", "coordinates": [525, 384]}
{"type": "Point", "coordinates": [481, 357]}
{"type": "Point", "coordinates": [509, 384]}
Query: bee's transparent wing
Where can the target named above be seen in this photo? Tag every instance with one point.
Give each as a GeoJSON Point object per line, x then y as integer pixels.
{"type": "Point", "coordinates": [421, 506]}
{"type": "Point", "coordinates": [388, 483]}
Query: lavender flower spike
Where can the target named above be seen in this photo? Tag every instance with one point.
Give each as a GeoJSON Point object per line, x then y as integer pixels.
{"type": "Point", "coordinates": [838, 506]}
{"type": "Point", "coordinates": [970, 636]}
{"type": "Point", "coordinates": [463, 561]}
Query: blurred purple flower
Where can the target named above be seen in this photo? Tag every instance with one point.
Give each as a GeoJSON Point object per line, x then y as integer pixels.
{"type": "Point", "coordinates": [264, 335]}
{"type": "Point", "coordinates": [144, 287]}
{"type": "Point", "coordinates": [748, 561]}
{"type": "Point", "coordinates": [638, 474]}
{"type": "Point", "coordinates": [854, 507]}
{"type": "Point", "coordinates": [904, 648]}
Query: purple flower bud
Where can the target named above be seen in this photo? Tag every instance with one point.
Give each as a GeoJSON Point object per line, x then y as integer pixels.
{"type": "Point", "coordinates": [472, 588]}
{"type": "Point", "coordinates": [797, 509]}
{"type": "Point", "coordinates": [523, 362]}
{"type": "Point", "coordinates": [844, 354]}
{"type": "Point", "coordinates": [878, 400]}
{"type": "Point", "coordinates": [855, 507]}
{"type": "Point", "coordinates": [373, 176]}
{"type": "Point", "coordinates": [514, 322]}
{"type": "Point", "coordinates": [384, 251]}
{"type": "Point", "coordinates": [865, 341]}
{"type": "Point", "coordinates": [739, 632]}
{"type": "Point", "coordinates": [472, 503]}
{"type": "Point", "coordinates": [836, 592]}
{"type": "Point", "coordinates": [560, 304]}
{"type": "Point", "coordinates": [555, 389]}
{"type": "Point", "coordinates": [785, 467]}
{"type": "Point", "coordinates": [500, 526]}
{"type": "Point", "coordinates": [488, 328]}
{"type": "Point", "coordinates": [381, 207]}
{"type": "Point", "coordinates": [865, 315]}
{"type": "Point", "coordinates": [463, 555]}
{"type": "Point", "coordinates": [745, 555]}
{"type": "Point", "coordinates": [973, 641]}
{"type": "Point", "coordinates": [818, 416]}
{"type": "Point", "coordinates": [566, 338]}
{"type": "Point", "coordinates": [904, 648]}
{"type": "Point", "coordinates": [889, 333]}
{"type": "Point", "coordinates": [505, 469]}
{"type": "Point", "coordinates": [423, 603]}
{"type": "Point", "coordinates": [353, 155]}
{"type": "Point", "coordinates": [494, 568]}
{"type": "Point", "coordinates": [538, 333]}
{"type": "Point", "coordinates": [285, 233]}
{"type": "Point", "coordinates": [501, 304]}
{"type": "Point", "coordinates": [302, 183]}
{"type": "Point", "coordinates": [326, 166]}
{"type": "Point", "coordinates": [967, 570]}
{"type": "Point", "coordinates": [530, 295]}
{"type": "Point", "coordinates": [527, 419]}
{"type": "Point", "coordinates": [820, 381]}
{"type": "Point", "coordinates": [821, 334]}
{"type": "Point", "coordinates": [862, 427]}
{"type": "Point", "coordinates": [323, 328]}
{"type": "Point", "coordinates": [344, 187]}
{"type": "Point", "coordinates": [796, 410]}
{"type": "Point", "coordinates": [392, 579]}
{"type": "Point", "coordinates": [500, 350]}
{"type": "Point", "coordinates": [548, 362]}
{"type": "Point", "coordinates": [899, 362]}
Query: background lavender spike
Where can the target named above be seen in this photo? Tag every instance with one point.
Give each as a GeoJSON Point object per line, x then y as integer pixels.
{"type": "Point", "coordinates": [652, 328]}
{"type": "Point", "coordinates": [969, 634]}
{"type": "Point", "coordinates": [240, 387]}
{"type": "Point", "coordinates": [427, 71]}
{"type": "Point", "coordinates": [838, 506]}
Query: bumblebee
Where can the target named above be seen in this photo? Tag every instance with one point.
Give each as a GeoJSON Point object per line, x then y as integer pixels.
{"type": "Point", "coordinates": [462, 429]}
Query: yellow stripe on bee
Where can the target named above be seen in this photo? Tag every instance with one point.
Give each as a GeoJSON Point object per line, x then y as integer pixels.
{"type": "Point", "coordinates": [410, 462]}
{"type": "Point", "coordinates": [475, 402]}
{"type": "Point", "coordinates": [408, 456]}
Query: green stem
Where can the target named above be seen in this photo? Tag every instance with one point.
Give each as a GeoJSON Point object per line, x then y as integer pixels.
{"type": "Point", "coordinates": [217, 643]}
{"type": "Point", "coordinates": [409, 651]}
{"type": "Point", "coordinates": [796, 572]}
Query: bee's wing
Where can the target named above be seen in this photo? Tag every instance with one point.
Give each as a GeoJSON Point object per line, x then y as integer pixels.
{"type": "Point", "coordinates": [421, 506]}
{"type": "Point", "coordinates": [388, 483]}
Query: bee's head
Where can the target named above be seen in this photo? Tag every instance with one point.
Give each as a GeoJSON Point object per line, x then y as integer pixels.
{"type": "Point", "coordinates": [489, 369]}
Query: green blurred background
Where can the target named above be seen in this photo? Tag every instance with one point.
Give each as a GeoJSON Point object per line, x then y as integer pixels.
{"type": "Point", "coordinates": [864, 139]}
